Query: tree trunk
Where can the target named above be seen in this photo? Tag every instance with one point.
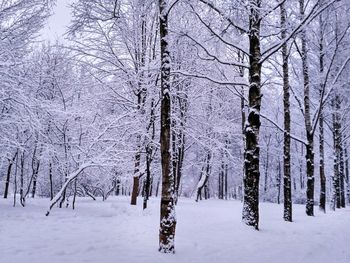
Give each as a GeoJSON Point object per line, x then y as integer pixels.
{"type": "Point", "coordinates": [50, 179]}
{"type": "Point", "coordinates": [287, 182]}
{"type": "Point", "coordinates": [135, 190]}
{"type": "Point", "coordinates": [21, 190]}
{"type": "Point", "coordinates": [340, 155]}
{"type": "Point", "coordinates": [310, 184]}
{"type": "Point", "coordinates": [335, 202]}
{"type": "Point", "coordinates": [347, 173]}
{"type": "Point", "coordinates": [267, 162]}
{"type": "Point", "coordinates": [167, 204]}
{"type": "Point", "coordinates": [15, 183]}
{"type": "Point", "coordinates": [8, 175]}
{"type": "Point", "coordinates": [148, 178]}
{"type": "Point", "coordinates": [35, 177]}
{"type": "Point", "coordinates": [279, 178]}
{"type": "Point", "coordinates": [203, 179]}
{"type": "Point", "coordinates": [250, 213]}
{"type": "Point", "coordinates": [322, 204]}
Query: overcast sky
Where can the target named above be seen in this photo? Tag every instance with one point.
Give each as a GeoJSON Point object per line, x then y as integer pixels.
{"type": "Point", "coordinates": [58, 22]}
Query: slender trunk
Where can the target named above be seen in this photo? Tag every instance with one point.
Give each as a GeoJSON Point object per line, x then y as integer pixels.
{"type": "Point", "coordinates": [250, 213]}
{"type": "Point", "coordinates": [226, 181]}
{"type": "Point", "coordinates": [181, 144]}
{"type": "Point", "coordinates": [287, 182]}
{"type": "Point", "coordinates": [75, 193]}
{"type": "Point", "coordinates": [8, 175]}
{"type": "Point", "coordinates": [310, 184]}
{"type": "Point", "coordinates": [340, 155]}
{"type": "Point", "coordinates": [335, 202]}
{"type": "Point", "coordinates": [203, 179]}
{"type": "Point", "coordinates": [35, 177]}
{"type": "Point", "coordinates": [322, 168]}
{"type": "Point", "coordinates": [21, 190]}
{"type": "Point", "coordinates": [135, 190]}
{"type": "Point", "coordinates": [136, 178]}
{"type": "Point", "coordinates": [347, 172]}
{"type": "Point", "coordinates": [15, 183]}
{"type": "Point", "coordinates": [279, 177]}
{"type": "Point", "coordinates": [221, 178]}
{"type": "Point", "coordinates": [167, 204]}
{"type": "Point", "coordinates": [267, 162]}
{"type": "Point", "coordinates": [148, 178]}
{"type": "Point", "coordinates": [50, 179]}
{"type": "Point", "coordinates": [63, 197]}
{"type": "Point", "coordinates": [157, 188]}
{"type": "Point", "coordinates": [322, 204]}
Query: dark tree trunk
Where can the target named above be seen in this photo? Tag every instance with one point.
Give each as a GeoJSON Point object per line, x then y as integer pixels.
{"type": "Point", "coordinates": [322, 170]}
{"type": "Point", "coordinates": [340, 154]}
{"type": "Point", "coordinates": [75, 193]}
{"type": "Point", "coordinates": [136, 178]}
{"type": "Point", "coordinates": [287, 182]}
{"type": "Point", "coordinates": [135, 189]}
{"type": "Point", "coordinates": [180, 149]}
{"type": "Point", "coordinates": [310, 184]}
{"type": "Point", "coordinates": [335, 202]}
{"type": "Point", "coordinates": [203, 179]}
{"type": "Point", "coordinates": [347, 172]}
{"type": "Point", "coordinates": [279, 178]}
{"type": "Point", "coordinates": [35, 177]}
{"type": "Point", "coordinates": [322, 204]}
{"type": "Point", "coordinates": [251, 155]}
{"type": "Point", "coordinates": [267, 161]}
{"type": "Point", "coordinates": [148, 178]}
{"type": "Point", "coordinates": [50, 179]}
{"type": "Point", "coordinates": [167, 204]}
{"type": "Point", "coordinates": [21, 190]}
{"type": "Point", "coordinates": [15, 183]}
{"type": "Point", "coordinates": [226, 181]}
{"type": "Point", "coordinates": [8, 175]}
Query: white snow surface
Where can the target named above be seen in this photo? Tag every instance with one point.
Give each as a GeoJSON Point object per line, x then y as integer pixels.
{"type": "Point", "coordinates": [208, 231]}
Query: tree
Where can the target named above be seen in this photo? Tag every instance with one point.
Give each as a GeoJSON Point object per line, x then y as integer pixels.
{"type": "Point", "coordinates": [287, 182]}
{"type": "Point", "coordinates": [167, 204]}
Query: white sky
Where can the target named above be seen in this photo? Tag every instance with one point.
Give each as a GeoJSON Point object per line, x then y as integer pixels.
{"type": "Point", "coordinates": [58, 22]}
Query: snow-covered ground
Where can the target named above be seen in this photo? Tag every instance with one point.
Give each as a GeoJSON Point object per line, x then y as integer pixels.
{"type": "Point", "coordinates": [209, 231]}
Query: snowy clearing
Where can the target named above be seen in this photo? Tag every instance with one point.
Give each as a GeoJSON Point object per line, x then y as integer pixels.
{"type": "Point", "coordinates": [208, 231]}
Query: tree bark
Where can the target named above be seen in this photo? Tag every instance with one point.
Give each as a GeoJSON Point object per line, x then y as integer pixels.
{"type": "Point", "coordinates": [310, 184]}
{"type": "Point", "coordinates": [203, 179]}
{"type": "Point", "coordinates": [167, 204]}
{"type": "Point", "coordinates": [340, 154]}
{"type": "Point", "coordinates": [335, 202]}
{"type": "Point", "coordinates": [322, 204]}
{"type": "Point", "coordinates": [8, 175]}
{"type": "Point", "coordinates": [250, 213]}
{"type": "Point", "coordinates": [148, 177]}
{"type": "Point", "coordinates": [347, 172]}
{"type": "Point", "coordinates": [135, 189]}
{"type": "Point", "coordinates": [287, 182]}
{"type": "Point", "coordinates": [50, 179]}
{"type": "Point", "coordinates": [21, 189]}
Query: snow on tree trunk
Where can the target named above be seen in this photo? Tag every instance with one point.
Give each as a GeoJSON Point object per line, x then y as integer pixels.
{"type": "Point", "coordinates": [310, 184]}
{"type": "Point", "coordinates": [250, 213]}
{"type": "Point", "coordinates": [335, 202]}
{"type": "Point", "coordinates": [167, 204]}
{"type": "Point", "coordinates": [340, 154]}
{"type": "Point", "coordinates": [8, 175]}
{"type": "Point", "coordinates": [347, 179]}
{"type": "Point", "coordinates": [322, 204]}
{"type": "Point", "coordinates": [203, 179]}
{"type": "Point", "coordinates": [287, 183]}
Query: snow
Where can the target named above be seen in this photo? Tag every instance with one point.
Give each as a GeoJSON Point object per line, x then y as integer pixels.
{"type": "Point", "coordinates": [207, 231]}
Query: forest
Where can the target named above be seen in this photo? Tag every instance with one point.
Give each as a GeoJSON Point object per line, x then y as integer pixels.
{"type": "Point", "coordinates": [210, 130]}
